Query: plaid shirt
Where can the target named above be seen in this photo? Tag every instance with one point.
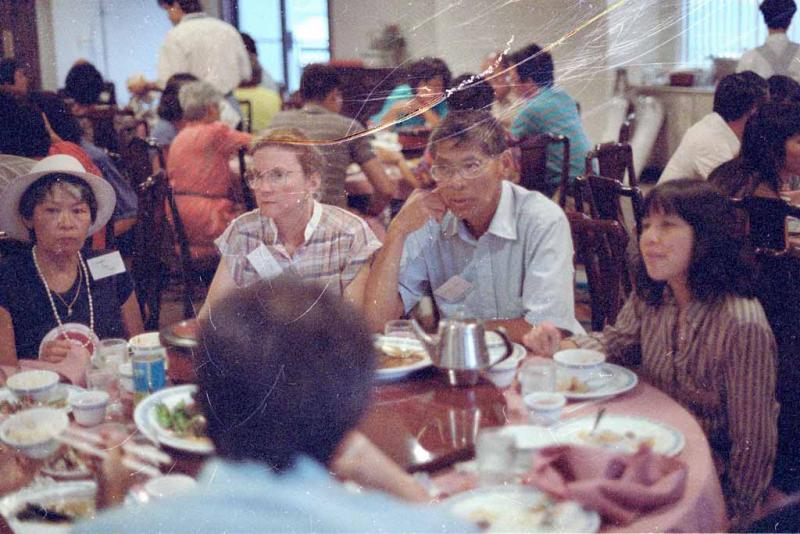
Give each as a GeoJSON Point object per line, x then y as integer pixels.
{"type": "Point", "coordinates": [337, 243]}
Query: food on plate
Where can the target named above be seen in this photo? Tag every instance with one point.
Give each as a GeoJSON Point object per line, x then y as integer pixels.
{"type": "Point", "coordinates": [28, 432]}
{"type": "Point", "coordinates": [67, 462]}
{"type": "Point", "coordinates": [510, 513]}
{"type": "Point", "coordinates": [184, 419]}
{"type": "Point", "coordinates": [57, 512]}
{"type": "Point", "coordinates": [608, 438]}
{"type": "Point", "coordinates": [389, 362]}
{"type": "Point", "coordinates": [571, 384]}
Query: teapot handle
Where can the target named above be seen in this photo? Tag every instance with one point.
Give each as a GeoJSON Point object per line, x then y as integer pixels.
{"type": "Point", "coordinates": [509, 346]}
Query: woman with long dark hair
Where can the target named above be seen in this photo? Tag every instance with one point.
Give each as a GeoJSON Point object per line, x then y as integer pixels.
{"type": "Point", "coordinates": [698, 333]}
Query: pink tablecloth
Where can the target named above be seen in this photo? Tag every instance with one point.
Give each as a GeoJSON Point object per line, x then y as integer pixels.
{"type": "Point", "coordinates": [702, 507]}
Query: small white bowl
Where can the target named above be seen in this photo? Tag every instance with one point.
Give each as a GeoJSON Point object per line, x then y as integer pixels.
{"type": "Point", "coordinates": [33, 432]}
{"type": "Point", "coordinates": [583, 364]}
{"type": "Point", "coordinates": [169, 486]}
{"type": "Point", "coordinates": [37, 384]}
{"type": "Point", "coordinates": [501, 378]}
{"type": "Point", "coordinates": [545, 408]}
{"type": "Point", "coordinates": [89, 407]}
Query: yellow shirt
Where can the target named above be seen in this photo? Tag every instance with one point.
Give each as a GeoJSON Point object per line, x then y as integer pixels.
{"type": "Point", "coordinates": [264, 104]}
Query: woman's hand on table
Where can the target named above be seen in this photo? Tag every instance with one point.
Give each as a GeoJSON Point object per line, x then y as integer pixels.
{"type": "Point", "coordinates": [543, 339]}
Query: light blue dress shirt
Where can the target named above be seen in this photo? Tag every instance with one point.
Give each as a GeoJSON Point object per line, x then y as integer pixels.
{"type": "Point", "coordinates": [520, 268]}
{"type": "Point", "coordinates": [247, 497]}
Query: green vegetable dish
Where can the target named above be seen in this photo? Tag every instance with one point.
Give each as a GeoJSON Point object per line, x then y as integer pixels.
{"type": "Point", "coordinates": [184, 419]}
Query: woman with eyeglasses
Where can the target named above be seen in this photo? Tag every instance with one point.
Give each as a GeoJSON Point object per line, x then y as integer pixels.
{"type": "Point", "coordinates": [290, 232]}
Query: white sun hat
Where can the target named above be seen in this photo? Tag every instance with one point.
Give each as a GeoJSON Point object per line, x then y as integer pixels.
{"type": "Point", "coordinates": [10, 219]}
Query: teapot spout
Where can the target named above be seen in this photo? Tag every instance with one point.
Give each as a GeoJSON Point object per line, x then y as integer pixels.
{"type": "Point", "coordinates": [431, 343]}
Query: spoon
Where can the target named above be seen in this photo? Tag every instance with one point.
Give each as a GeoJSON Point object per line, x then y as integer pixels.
{"type": "Point", "coordinates": [600, 413]}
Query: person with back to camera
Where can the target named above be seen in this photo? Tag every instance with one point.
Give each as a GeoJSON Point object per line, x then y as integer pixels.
{"type": "Point", "coordinates": [698, 334]}
{"type": "Point", "coordinates": [285, 377]}
{"type": "Point", "coordinates": [778, 55]}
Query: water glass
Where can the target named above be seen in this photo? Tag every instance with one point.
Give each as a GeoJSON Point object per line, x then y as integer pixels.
{"type": "Point", "coordinates": [111, 353]}
{"type": "Point", "coordinates": [495, 454]}
{"type": "Point", "coordinates": [399, 328]}
{"type": "Point", "coordinates": [537, 375]}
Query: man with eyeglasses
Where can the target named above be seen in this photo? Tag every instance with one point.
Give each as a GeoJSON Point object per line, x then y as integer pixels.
{"type": "Point", "coordinates": [482, 246]}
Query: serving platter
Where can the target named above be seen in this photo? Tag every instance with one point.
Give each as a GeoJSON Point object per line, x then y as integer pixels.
{"type": "Point", "coordinates": [55, 493]}
{"type": "Point", "coordinates": [78, 333]}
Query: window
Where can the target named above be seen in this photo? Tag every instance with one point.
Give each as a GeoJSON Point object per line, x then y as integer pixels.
{"type": "Point", "coordinates": [289, 35]}
{"type": "Point", "coordinates": [723, 29]}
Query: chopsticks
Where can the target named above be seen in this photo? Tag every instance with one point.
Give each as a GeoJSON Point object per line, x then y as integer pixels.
{"type": "Point", "coordinates": [87, 442]}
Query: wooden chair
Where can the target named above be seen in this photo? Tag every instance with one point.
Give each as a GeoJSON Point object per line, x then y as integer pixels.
{"type": "Point", "coordinates": [604, 198]}
{"type": "Point", "coordinates": [533, 162]}
{"type": "Point", "coordinates": [766, 222]}
{"type": "Point", "coordinates": [247, 115]}
{"type": "Point", "coordinates": [626, 128]}
{"type": "Point", "coordinates": [249, 199]}
{"type": "Point", "coordinates": [614, 160]}
{"type": "Point", "coordinates": [600, 246]}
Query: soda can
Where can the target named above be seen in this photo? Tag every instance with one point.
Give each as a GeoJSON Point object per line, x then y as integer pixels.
{"type": "Point", "coordinates": [148, 359]}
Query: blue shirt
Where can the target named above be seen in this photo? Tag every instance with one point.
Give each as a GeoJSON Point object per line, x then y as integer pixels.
{"type": "Point", "coordinates": [520, 268]}
{"type": "Point", "coordinates": [555, 112]}
{"type": "Point", "coordinates": [247, 497]}
{"type": "Point", "coordinates": [405, 92]}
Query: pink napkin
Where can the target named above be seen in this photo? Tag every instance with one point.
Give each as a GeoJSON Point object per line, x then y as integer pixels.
{"type": "Point", "coordinates": [620, 487]}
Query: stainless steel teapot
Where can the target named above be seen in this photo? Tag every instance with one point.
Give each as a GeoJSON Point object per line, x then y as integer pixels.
{"type": "Point", "coordinates": [459, 347]}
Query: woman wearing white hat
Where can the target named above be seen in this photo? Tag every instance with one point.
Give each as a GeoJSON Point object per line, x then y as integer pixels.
{"type": "Point", "coordinates": [56, 207]}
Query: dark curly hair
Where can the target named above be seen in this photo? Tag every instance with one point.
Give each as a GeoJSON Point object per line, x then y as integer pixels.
{"type": "Point", "coordinates": [84, 84]}
{"type": "Point", "coordinates": [534, 64]}
{"type": "Point", "coordinates": [169, 107]}
{"type": "Point", "coordinates": [721, 261]}
{"type": "Point", "coordinates": [426, 69]}
{"type": "Point", "coordinates": [477, 94]}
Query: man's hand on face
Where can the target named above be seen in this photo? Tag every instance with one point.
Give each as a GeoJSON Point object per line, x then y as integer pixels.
{"type": "Point", "coordinates": [420, 206]}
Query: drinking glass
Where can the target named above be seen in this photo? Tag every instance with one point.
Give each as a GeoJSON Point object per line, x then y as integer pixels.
{"type": "Point", "coordinates": [111, 353]}
{"type": "Point", "coordinates": [495, 454]}
{"type": "Point", "coordinates": [537, 375]}
{"type": "Point", "coordinates": [403, 334]}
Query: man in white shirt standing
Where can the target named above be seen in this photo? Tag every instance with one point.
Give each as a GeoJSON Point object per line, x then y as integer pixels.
{"type": "Point", "coordinates": [717, 137]}
{"type": "Point", "coordinates": [209, 48]}
{"type": "Point", "coordinates": [778, 55]}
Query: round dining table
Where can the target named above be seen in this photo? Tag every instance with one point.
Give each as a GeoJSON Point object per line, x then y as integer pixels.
{"type": "Point", "coordinates": [426, 425]}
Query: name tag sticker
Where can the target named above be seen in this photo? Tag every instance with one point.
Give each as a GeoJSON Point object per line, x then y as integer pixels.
{"type": "Point", "coordinates": [453, 290]}
{"type": "Point", "coordinates": [264, 263]}
{"type": "Point", "coordinates": [106, 265]}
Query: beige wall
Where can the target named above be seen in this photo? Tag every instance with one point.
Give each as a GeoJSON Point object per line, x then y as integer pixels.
{"type": "Point", "coordinates": [636, 34]}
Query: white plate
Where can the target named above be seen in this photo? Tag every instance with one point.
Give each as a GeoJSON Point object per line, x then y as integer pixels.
{"type": "Point", "coordinates": [145, 418]}
{"type": "Point", "coordinates": [51, 493]}
{"type": "Point", "coordinates": [619, 380]}
{"type": "Point", "coordinates": [666, 439]}
{"type": "Point", "coordinates": [402, 343]}
{"type": "Point", "coordinates": [493, 342]}
{"type": "Point", "coordinates": [508, 509]}
{"type": "Point", "coordinates": [77, 332]}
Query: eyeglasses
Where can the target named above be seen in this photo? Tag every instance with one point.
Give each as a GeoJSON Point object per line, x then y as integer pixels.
{"type": "Point", "coordinates": [468, 171]}
{"type": "Point", "coordinates": [272, 176]}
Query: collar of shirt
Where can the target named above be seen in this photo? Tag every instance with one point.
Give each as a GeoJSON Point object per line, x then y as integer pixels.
{"type": "Point", "coordinates": [503, 223]}
{"type": "Point", "coordinates": [314, 108]}
{"type": "Point", "coordinates": [193, 16]}
{"type": "Point", "coordinates": [776, 38]}
{"type": "Point", "coordinates": [252, 475]}
{"type": "Point", "coordinates": [313, 222]}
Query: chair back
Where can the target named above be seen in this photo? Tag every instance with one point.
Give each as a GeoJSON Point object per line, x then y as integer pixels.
{"type": "Point", "coordinates": [604, 198]}
{"type": "Point", "coordinates": [614, 160]}
{"type": "Point", "coordinates": [249, 199]}
{"type": "Point", "coordinates": [533, 161]}
{"type": "Point", "coordinates": [766, 222]}
{"type": "Point", "coordinates": [626, 128]}
{"type": "Point", "coordinates": [151, 230]}
{"type": "Point", "coordinates": [247, 115]}
{"type": "Point", "coordinates": [600, 246]}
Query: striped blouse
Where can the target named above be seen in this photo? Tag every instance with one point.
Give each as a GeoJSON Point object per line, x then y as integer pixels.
{"type": "Point", "coordinates": [720, 364]}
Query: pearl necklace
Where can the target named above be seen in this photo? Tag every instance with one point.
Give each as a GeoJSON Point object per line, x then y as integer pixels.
{"type": "Point", "coordinates": [82, 270]}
